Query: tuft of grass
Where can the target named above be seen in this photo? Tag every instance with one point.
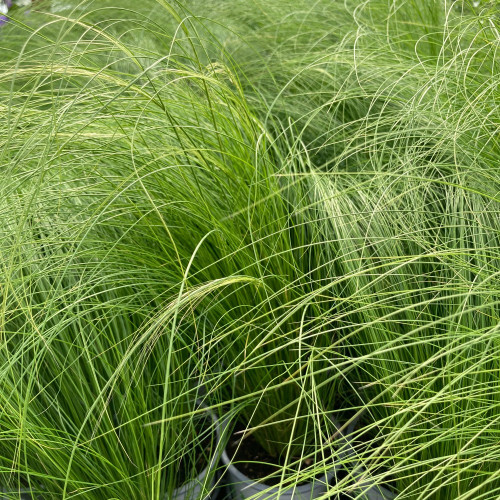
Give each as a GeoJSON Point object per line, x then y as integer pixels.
{"type": "Point", "coordinates": [289, 210]}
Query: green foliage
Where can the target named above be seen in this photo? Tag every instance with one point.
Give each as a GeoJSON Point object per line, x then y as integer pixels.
{"type": "Point", "coordinates": [294, 204]}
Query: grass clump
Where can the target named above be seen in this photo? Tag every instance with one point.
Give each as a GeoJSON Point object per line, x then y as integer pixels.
{"type": "Point", "coordinates": [302, 219]}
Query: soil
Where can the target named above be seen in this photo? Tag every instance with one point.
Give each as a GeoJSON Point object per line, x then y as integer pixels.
{"type": "Point", "coordinates": [253, 461]}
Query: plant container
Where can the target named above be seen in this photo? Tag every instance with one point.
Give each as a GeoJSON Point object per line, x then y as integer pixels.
{"type": "Point", "coordinates": [244, 487]}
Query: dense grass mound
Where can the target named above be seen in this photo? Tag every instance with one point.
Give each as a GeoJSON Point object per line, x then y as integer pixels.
{"type": "Point", "coordinates": [288, 210]}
